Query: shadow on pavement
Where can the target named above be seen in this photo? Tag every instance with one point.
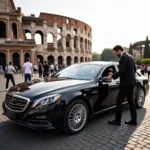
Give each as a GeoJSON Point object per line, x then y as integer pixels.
{"type": "Point", "coordinates": [96, 135]}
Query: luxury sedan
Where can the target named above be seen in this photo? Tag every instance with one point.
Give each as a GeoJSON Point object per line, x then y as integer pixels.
{"type": "Point", "coordinates": [69, 98]}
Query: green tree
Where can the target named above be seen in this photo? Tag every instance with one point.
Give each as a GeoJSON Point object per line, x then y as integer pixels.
{"type": "Point", "coordinates": [107, 55]}
{"type": "Point", "coordinates": [95, 56]}
{"type": "Point", "coordinates": [139, 46]}
{"type": "Point", "coordinates": [131, 50]}
{"type": "Point", "coordinates": [146, 49]}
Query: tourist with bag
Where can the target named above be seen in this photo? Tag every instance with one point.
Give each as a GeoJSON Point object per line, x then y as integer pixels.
{"type": "Point", "coordinates": [9, 70]}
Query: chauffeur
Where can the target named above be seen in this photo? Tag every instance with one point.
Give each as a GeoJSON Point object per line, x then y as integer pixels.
{"type": "Point", "coordinates": [126, 73]}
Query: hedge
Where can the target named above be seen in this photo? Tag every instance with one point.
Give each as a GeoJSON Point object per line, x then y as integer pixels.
{"type": "Point", "coordinates": [143, 61]}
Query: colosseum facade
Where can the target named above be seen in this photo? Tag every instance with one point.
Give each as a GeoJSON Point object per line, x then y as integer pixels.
{"type": "Point", "coordinates": [57, 39]}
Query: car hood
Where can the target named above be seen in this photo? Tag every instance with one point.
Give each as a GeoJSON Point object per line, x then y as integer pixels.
{"type": "Point", "coordinates": [41, 86]}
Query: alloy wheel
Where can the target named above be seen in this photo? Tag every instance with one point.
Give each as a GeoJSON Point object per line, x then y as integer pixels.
{"type": "Point", "coordinates": [77, 117]}
{"type": "Point", "coordinates": [141, 98]}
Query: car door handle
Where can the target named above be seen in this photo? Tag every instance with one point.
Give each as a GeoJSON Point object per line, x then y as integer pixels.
{"type": "Point", "coordinates": [117, 82]}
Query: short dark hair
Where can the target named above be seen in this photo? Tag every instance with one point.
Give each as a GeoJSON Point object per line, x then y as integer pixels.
{"type": "Point", "coordinates": [117, 47]}
{"type": "Point", "coordinates": [10, 63]}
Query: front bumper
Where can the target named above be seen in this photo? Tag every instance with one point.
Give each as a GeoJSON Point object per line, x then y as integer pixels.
{"type": "Point", "coordinates": [42, 119]}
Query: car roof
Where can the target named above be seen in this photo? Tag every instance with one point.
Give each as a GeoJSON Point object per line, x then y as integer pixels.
{"type": "Point", "coordinates": [102, 63]}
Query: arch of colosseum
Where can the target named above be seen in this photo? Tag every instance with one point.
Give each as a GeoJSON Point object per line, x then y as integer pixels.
{"type": "Point", "coordinates": [49, 37]}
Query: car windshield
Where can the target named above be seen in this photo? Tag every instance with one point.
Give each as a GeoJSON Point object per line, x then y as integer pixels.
{"type": "Point", "coordinates": [79, 71]}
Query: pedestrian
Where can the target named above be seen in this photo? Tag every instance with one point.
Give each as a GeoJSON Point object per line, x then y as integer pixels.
{"type": "Point", "coordinates": [148, 70]}
{"type": "Point", "coordinates": [9, 70]}
{"type": "Point", "coordinates": [46, 69]}
{"type": "Point", "coordinates": [35, 68]}
{"type": "Point", "coordinates": [52, 69]}
{"type": "Point", "coordinates": [56, 68]}
{"type": "Point", "coordinates": [40, 70]}
{"type": "Point", "coordinates": [143, 69]}
{"type": "Point", "coordinates": [126, 73]}
{"type": "Point", "coordinates": [27, 70]}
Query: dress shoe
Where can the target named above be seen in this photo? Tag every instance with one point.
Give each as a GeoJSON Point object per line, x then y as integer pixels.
{"type": "Point", "coordinates": [114, 122]}
{"type": "Point", "coordinates": [131, 122]}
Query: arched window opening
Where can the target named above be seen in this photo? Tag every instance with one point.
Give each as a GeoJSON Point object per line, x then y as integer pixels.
{"type": "Point", "coordinates": [76, 60]}
{"type": "Point", "coordinates": [50, 60]}
{"type": "Point", "coordinates": [50, 40]}
{"type": "Point", "coordinates": [68, 61]}
{"type": "Point", "coordinates": [85, 59]}
{"type": "Point", "coordinates": [2, 59]}
{"type": "Point", "coordinates": [75, 31]}
{"type": "Point", "coordinates": [59, 40]}
{"type": "Point", "coordinates": [14, 31]}
{"type": "Point", "coordinates": [16, 59]}
{"type": "Point", "coordinates": [28, 34]}
{"type": "Point", "coordinates": [81, 59]}
{"type": "Point", "coordinates": [2, 30]}
{"type": "Point", "coordinates": [81, 43]}
{"type": "Point", "coordinates": [75, 41]}
{"type": "Point", "coordinates": [60, 60]}
{"type": "Point", "coordinates": [67, 21]}
{"type": "Point", "coordinates": [68, 39]}
{"type": "Point", "coordinates": [59, 30]}
{"type": "Point", "coordinates": [39, 38]}
{"type": "Point", "coordinates": [86, 44]}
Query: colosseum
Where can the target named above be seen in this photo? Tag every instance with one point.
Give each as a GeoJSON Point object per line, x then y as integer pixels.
{"type": "Point", "coordinates": [57, 39]}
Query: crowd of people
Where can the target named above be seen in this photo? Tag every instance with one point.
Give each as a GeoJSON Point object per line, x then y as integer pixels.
{"type": "Point", "coordinates": [44, 70]}
{"type": "Point", "coordinates": [27, 70]}
{"type": "Point", "coordinates": [145, 69]}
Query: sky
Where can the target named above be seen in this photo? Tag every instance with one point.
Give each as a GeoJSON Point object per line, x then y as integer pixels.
{"type": "Point", "coordinates": [113, 22]}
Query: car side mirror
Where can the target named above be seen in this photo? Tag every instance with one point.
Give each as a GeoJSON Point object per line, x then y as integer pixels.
{"type": "Point", "coordinates": [106, 80]}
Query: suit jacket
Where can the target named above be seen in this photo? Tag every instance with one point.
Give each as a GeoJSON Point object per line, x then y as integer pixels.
{"type": "Point", "coordinates": [126, 71]}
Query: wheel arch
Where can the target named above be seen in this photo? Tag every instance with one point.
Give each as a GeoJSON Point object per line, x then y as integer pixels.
{"type": "Point", "coordinates": [85, 100]}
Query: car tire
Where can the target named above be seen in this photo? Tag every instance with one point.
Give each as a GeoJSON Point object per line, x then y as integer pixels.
{"type": "Point", "coordinates": [76, 117]}
{"type": "Point", "coordinates": [140, 98]}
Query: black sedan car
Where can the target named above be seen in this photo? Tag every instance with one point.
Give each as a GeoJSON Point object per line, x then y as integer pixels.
{"type": "Point", "coordinates": [69, 98]}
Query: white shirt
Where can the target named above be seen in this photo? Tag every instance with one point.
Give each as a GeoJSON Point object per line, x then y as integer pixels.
{"type": "Point", "coordinates": [35, 66]}
{"type": "Point", "coordinates": [9, 69]}
{"type": "Point", "coordinates": [27, 67]}
{"type": "Point", "coordinates": [56, 67]}
{"type": "Point", "coordinates": [148, 68]}
{"type": "Point", "coordinates": [52, 67]}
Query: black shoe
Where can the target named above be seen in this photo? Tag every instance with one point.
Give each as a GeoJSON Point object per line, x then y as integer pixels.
{"type": "Point", "coordinates": [131, 122]}
{"type": "Point", "coordinates": [114, 122]}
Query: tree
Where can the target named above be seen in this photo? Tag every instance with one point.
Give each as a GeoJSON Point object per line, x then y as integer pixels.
{"type": "Point", "coordinates": [139, 46]}
{"type": "Point", "coordinates": [107, 55]}
{"type": "Point", "coordinates": [146, 49]}
{"type": "Point", "coordinates": [131, 50]}
{"type": "Point", "coordinates": [95, 56]}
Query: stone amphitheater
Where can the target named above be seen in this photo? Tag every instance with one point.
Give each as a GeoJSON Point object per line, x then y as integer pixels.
{"type": "Point", "coordinates": [54, 38]}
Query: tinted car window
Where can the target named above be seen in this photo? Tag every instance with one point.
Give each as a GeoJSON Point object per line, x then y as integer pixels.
{"type": "Point", "coordinates": [80, 71]}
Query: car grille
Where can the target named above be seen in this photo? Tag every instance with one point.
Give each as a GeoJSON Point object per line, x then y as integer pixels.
{"type": "Point", "coordinates": [16, 103]}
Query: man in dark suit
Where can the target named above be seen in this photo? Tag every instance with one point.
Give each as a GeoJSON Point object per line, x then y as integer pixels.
{"type": "Point", "coordinates": [126, 73]}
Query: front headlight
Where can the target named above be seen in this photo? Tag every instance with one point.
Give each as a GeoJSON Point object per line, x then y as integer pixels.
{"type": "Point", "coordinates": [46, 100]}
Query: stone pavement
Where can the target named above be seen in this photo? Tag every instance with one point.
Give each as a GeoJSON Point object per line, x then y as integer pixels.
{"type": "Point", "coordinates": [97, 135]}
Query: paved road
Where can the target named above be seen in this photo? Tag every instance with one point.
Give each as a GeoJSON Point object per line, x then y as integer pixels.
{"type": "Point", "coordinates": [97, 135]}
